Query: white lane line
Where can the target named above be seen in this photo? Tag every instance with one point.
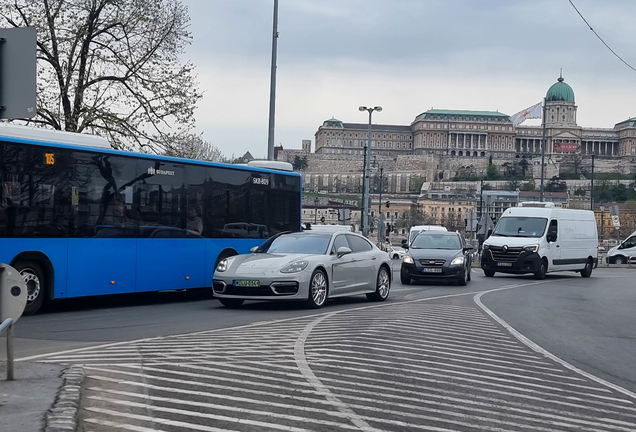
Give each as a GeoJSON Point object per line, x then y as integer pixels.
{"type": "Point", "coordinates": [280, 322]}
{"type": "Point", "coordinates": [388, 345]}
{"type": "Point", "coordinates": [392, 359]}
{"type": "Point", "coordinates": [305, 370]}
{"type": "Point", "coordinates": [185, 425]}
{"type": "Point", "coordinates": [123, 426]}
{"type": "Point", "coordinates": [533, 346]}
{"type": "Point", "coordinates": [482, 380]}
{"type": "Point", "coordinates": [358, 387]}
{"type": "Point", "coordinates": [451, 403]}
{"type": "Point", "coordinates": [218, 407]}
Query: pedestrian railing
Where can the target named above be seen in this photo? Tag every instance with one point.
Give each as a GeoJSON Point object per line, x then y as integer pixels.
{"type": "Point", "coordinates": [8, 326]}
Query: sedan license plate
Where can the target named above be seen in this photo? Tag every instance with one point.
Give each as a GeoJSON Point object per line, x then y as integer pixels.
{"type": "Point", "coordinates": [504, 264]}
{"type": "Point", "coordinates": [247, 283]}
{"type": "Point", "coordinates": [432, 270]}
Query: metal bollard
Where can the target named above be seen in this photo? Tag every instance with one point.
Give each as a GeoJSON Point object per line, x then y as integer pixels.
{"type": "Point", "coordinates": [8, 326]}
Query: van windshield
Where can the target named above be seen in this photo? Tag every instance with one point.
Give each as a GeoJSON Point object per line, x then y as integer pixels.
{"type": "Point", "coordinates": [520, 227]}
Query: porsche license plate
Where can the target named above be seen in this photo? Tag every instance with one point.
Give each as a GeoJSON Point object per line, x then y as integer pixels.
{"type": "Point", "coordinates": [432, 270]}
{"type": "Point", "coordinates": [247, 283]}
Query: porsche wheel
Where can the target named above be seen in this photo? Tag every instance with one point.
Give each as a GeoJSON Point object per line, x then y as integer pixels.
{"type": "Point", "coordinates": [317, 289]}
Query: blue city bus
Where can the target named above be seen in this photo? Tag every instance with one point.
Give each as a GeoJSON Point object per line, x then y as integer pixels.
{"type": "Point", "coordinates": [78, 218]}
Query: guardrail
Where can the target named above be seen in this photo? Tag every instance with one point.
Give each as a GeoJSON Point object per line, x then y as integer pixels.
{"type": "Point", "coordinates": [8, 326]}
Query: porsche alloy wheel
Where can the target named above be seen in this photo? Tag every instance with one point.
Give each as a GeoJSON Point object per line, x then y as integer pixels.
{"type": "Point", "coordinates": [317, 290]}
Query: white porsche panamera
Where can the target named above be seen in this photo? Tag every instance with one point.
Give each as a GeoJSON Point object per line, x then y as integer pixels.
{"type": "Point", "coordinates": [311, 266]}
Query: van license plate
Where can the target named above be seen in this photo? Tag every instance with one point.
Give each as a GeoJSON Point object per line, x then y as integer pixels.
{"type": "Point", "coordinates": [504, 264]}
{"type": "Point", "coordinates": [432, 270]}
{"type": "Point", "coordinates": [247, 283]}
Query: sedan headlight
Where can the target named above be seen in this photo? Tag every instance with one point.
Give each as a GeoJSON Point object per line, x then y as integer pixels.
{"type": "Point", "coordinates": [458, 261]}
{"type": "Point", "coordinates": [486, 246]}
{"type": "Point", "coordinates": [407, 259]}
{"type": "Point", "coordinates": [223, 265]}
{"type": "Point", "coordinates": [295, 267]}
{"type": "Point", "coordinates": [531, 248]}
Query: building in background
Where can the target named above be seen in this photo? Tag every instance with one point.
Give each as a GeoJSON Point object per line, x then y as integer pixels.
{"type": "Point", "coordinates": [471, 134]}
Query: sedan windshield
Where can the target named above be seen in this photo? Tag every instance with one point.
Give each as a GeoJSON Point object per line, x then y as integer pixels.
{"type": "Point", "coordinates": [520, 227]}
{"type": "Point", "coordinates": [300, 243]}
{"type": "Point", "coordinates": [437, 241]}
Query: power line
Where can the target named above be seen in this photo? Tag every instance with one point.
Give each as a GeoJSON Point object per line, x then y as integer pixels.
{"type": "Point", "coordinates": [600, 38]}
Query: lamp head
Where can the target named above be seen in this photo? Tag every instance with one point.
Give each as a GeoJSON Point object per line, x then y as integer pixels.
{"type": "Point", "coordinates": [378, 108]}
{"type": "Point", "coordinates": [362, 108]}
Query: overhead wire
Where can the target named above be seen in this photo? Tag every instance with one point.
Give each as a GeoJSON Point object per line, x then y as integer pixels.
{"type": "Point", "coordinates": [600, 38]}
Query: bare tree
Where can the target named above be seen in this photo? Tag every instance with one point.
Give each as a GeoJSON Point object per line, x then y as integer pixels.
{"type": "Point", "coordinates": [111, 67]}
{"type": "Point", "coordinates": [192, 146]}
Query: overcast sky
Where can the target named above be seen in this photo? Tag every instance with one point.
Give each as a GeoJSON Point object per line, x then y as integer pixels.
{"type": "Point", "coordinates": [407, 56]}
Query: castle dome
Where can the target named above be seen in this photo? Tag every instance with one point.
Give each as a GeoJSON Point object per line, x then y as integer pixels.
{"type": "Point", "coordinates": [560, 91]}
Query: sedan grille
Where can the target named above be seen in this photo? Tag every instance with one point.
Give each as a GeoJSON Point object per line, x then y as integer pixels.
{"type": "Point", "coordinates": [510, 255]}
{"type": "Point", "coordinates": [432, 262]}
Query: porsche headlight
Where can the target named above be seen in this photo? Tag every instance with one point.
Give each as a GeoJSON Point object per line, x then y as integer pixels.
{"type": "Point", "coordinates": [295, 267]}
{"type": "Point", "coordinates": [223, 265]}
{"type": "Point", "coordinates": [407, 259]}
{"type": "Point", "coordinates": [486, 246]}
{"type": "Point", "coordinates": [458, 261]}
{"type": "Point", "coordinates": [531, 248]}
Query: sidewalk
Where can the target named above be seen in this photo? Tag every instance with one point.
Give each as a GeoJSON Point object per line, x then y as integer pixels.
{"type": "Point", "coordinates": [25, 401]}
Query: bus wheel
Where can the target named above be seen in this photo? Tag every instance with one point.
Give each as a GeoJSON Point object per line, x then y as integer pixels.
{"type": "Point", "coordinates": [35, 280]}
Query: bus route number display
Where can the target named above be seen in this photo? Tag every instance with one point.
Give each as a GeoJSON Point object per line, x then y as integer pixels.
{"type": "Point", "coordinates": [49, 158]}
{"type": "Point", "coordinates": [260, 181]}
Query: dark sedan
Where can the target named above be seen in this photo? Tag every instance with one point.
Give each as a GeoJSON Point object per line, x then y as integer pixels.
{"type": "Point", "coordinates": [437, 256]}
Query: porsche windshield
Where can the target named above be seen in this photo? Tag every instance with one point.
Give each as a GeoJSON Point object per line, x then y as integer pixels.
{"type": "Point", "coordinates": [520, 227]}
{"type": "Point", "coordinates": [300, 243]}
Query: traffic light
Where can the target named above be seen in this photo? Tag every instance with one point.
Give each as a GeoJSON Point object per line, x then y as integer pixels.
{"type": "Point", "coordinates": [388, 204]}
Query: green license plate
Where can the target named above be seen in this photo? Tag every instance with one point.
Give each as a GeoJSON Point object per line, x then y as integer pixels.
{"type": "Point", "coordinates": [247, 283]}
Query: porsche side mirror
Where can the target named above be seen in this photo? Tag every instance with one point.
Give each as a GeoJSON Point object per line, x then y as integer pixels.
{"type": "Point", "coordinates": [343, 250]}
{"type": "Point", "coordinates": [254, 249]}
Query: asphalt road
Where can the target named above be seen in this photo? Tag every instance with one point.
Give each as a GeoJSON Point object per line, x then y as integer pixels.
{"type": "Point", "coordinates": [431, 358]}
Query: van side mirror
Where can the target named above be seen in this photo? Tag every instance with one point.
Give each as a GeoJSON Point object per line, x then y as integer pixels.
{"type": "Point", "coordinates": [551, 237]}
{"type": "Point", "coordinates": [405, 242]}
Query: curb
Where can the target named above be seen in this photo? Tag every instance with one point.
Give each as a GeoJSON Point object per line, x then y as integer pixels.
{"type": "Point", "coordinates": [62, 417]}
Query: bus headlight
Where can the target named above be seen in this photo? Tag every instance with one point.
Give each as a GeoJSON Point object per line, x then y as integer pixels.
{"type": "Point", "coordinates": [458, 261]}
{"type": "Point", "coordinates": [223, 265]}
{"type": "Point", "coordinates": [531, 248]}
{"type": "Point", "coordinates": [407, 259]}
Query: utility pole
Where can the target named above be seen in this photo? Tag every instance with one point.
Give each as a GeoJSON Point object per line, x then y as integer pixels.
{"type": "Point", "coordinates": [365, 176]}
{"type": "Point", "coordinates": [543, 145]}
{"type": "Point", "coordinates": [272, 87]}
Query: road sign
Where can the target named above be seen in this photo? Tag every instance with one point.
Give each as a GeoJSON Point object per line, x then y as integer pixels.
{"type": "Point", "coordinates": [17, 72]}
{"type": "Point", "coordinates": [613, 210]}
{"type": "Point", "coordinates": [616, 221]}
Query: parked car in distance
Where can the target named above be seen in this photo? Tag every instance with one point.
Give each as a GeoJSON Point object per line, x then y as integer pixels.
{"type": "Point", "coordinates": [437, 256]}
{"type": "Point", "coordinates": [621, 254]}
{"type": "Point", "coordinates": [310, 266]}
{"type": "Point", "coordinates": [396, 252]}
{"type": "Point", "coordinates": [416, 229]}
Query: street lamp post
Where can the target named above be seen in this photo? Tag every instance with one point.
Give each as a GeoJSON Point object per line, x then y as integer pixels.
{"type": "Point", "coordinates": [592, 185]}
{"type": "Point", "coordinates": [380, 199]}
{"type": "Point", "coordinates": [365, 175]}
{"type": "Point", "coordinates": [316, 211]}
{"type": "Point", "coordinates": [602, 209]}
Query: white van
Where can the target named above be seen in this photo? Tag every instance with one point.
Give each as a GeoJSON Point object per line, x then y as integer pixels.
{"type": "Point", "coordinates": [622, 253]}
{"type": "Point", "coordinates": [416, 229]}
{"type": "Point", "coordinates": [541, 239]}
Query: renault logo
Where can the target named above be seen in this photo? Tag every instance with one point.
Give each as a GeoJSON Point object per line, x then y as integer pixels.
{"type": "Point", "coordinates": [505, 248]}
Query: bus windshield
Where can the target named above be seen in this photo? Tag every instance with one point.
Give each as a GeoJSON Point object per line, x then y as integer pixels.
{"type": "Point", "coordinates": [520, 227]}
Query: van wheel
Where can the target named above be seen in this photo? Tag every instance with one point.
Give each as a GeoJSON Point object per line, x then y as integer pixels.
{"type": "Point", "coordinates": [620, 260]}
{"type": "Point", "coordinates": [587, 271]}
{"type": "Point", "coordinates": [36, 284]}
{"type": "Point", "coordinates": [540, 273]}
{"type": "Point", "coordinates": [489, 273]}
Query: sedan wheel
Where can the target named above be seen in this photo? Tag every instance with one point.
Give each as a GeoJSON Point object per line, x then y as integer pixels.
{"type": "Point", "coordinates": [463, 281]}
{"type": "Point", "coordinates": [383, 286]}
{"type": "Point", "coordinates": [317, 290]}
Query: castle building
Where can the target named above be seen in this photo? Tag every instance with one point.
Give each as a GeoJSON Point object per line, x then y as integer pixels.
{"type": "Point", "coordinates": [472, 134]}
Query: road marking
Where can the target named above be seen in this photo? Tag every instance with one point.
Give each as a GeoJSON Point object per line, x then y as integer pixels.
{"type": "Point", "coordinates": [533, 346]}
